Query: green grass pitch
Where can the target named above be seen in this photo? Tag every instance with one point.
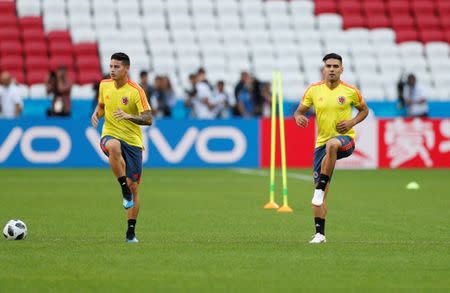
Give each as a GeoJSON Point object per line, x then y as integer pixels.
{"type": "Point", "coordinates": [206, 231]}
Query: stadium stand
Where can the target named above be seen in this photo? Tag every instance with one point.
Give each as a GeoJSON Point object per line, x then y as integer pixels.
{"type": "Point", "coordinates": [379, 39]}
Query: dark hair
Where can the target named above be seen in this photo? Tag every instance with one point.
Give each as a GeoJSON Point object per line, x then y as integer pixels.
{"type": "Point", "coordinates": [332, 56]}
{"type": "Point", "coordinates": [143, 73]}
{"type": "Point", "coordinates": [121, 57]}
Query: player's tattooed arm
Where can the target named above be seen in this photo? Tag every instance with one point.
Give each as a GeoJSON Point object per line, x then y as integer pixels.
{"type": "Point", "coordinates": [145, 118]}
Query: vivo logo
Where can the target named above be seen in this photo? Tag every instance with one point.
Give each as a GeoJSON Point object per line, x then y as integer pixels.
{"type": "Point", "coordinates": [192, 138]}
{"type": "Point", "coordinates": [200, 138]}
{"type": "Point", "coordinates": [26, 140]}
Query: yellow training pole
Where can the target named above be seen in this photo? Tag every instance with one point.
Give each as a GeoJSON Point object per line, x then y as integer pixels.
{"type": "Point", "coordinates": [272, 204]}
{"type": "Point", "coordinates": [285, 208]}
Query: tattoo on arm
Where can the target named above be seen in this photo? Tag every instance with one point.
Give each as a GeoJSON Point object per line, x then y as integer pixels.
{"type": "Point", "coordinates": [145, 118]}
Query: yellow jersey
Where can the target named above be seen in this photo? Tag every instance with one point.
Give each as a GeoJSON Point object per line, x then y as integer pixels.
{"type": "Point", "coordinates": [332, 107]}
{"type": "Point", "coordinates": [131, 99]}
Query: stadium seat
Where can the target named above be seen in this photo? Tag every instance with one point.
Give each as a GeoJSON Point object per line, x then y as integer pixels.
{"type": "Point", "coordinates": [398, 8]}
{"type": "Point", "coordinates": [373, 8]}
{"type": "Point", "coordinates": [12, 63]}
{"type": "Point", "coordinates": [57, 61]}
{"type": "Point", "coordinates": [301, 8]}
{"type": "Point", "coordinates": [33, 35]}
{"type": "Point", "coordinates": [330, 22]}
{"type": "Point", "coordinates": [36, 77]}
{"type": "Point", "coordinates": [423, 8]}
{"type": "Point", "coordinates": [406, 35]}
{"type": "Point", "coordinates": [443, 8]}
{"type": "Point", "coordinates": [61, 49]}
{"type": "Point", "coordinates": [10, 48]}
{"type": "Point", "coordinates": [352, 7]}
{"type": "Point", "coordinates": [10, 34]}
{"type": "Point", "coordinates": [31, 22]}
{"type": "Point", "coordinates": [431, 35]}
{"type": "Point", "coordinates": [88, 76]}
{"type": "Point", "coordinates": [382, 35]}
{"type": "Point", "coordinates": [37, 64]}
{"type": "Point", "coordinates": [35, 49]}
{"type": "Point", "coordinates": [437, 49]}
{"type": "Point", "coordinates": [427, 22]}
{"type": "Point", "coordinates": [7, 21]}
{"type": "Point", "coordinates": [378, 21]}
{"type": "Point", "coordinates": [27, 8]}
{"type": "Point", "coordinates": [38, 91]}
{"type": "Point", "coordinates": [83, 92]}
{"type": "Point", "coordinates": [356, 20]}
{"type": "Point", "coordinates": [7, 8]}
{"type": "Point", "coordinates": [325, 6]}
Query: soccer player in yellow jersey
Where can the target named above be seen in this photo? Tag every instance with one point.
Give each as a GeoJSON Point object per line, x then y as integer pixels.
{"type": "Point", "coordinates": [333, 101]}
{"type": "Point", "coordinates": [124, 106]}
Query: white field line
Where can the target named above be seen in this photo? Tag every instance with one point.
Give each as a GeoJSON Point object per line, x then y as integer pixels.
{"type": "Point", "coordinates": [266, 174]}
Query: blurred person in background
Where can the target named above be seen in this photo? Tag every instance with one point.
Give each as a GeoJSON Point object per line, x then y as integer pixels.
{"type": "Point", "coordinates": [59, 87]}
{"type": "Point", "coordinates": [223, 102]}
{"type": "Point", "coordinates": [145, 85]}
{"type": "Point", "coordinates": [11, 104]}
{"type": "Point", "coordinates": [266, 93]}
{"type": "Point", "coordinates": [190, 92]}
{"type": "Point", "coordinates": [202, 103]}
{"type": "Point", "coordinates": [249, 97]}
{"type": "Point", "coordinates": [163, 97]}
{"type": "Point", "coordinates": [414, 98]}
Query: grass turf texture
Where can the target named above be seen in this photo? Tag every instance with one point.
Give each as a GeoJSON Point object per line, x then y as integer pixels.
{"type": "Point", "coordinates": [205, 230]}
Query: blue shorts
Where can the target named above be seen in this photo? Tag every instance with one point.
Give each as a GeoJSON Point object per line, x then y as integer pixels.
{"type": "Point", "coordinates": [132, 156]}
{"type": "Point", "coordinates": [348, 145]}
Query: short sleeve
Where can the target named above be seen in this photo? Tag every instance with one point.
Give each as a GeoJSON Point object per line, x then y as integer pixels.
{"type": "Point", "coordinates": [100, 94]}
{"type": "Point", "coordinates": [357, 97]}
{"type": "Point", "coordinates": [307, 97]}
{"type": "Point", "coordinates": [141, 100]}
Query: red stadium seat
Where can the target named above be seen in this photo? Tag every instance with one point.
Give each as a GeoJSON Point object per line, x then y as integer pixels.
{"type": "Point", "coordinates": [349, 7]}
{"type": "Point", "coordinates": [12, 63]}
{"type": "Point", "coordinates": [7, 7]}
{"type": "Point", "coordinates": [9, 34]}
{"type": "Point", "coordinates": [59, 36]}
{"type": "Point", "coordinates": [445, 22]}
{"type": "Point", "coordinates": [7, 21]}
{"type": "Point", "coordinates": [57, 61]}
{"type": "Point", "coordinates": [33, 35]}
{"type": "Point", "coordinates": [88, 63]}
{"type": "Point", "coordinates": [89, 49]}
{"type": "Point", "coordinates": [10, 48]}
{"type": "Point", "coordinates": [354, 21]}
{"type": "Point", "coordinates": [31, 22]}
{"type": "Point", "coordinates": [378, 21]}
{"type": "Point", "coordinates": [406, 35]}
{"type": "Point", "coordinates": [37, 63]}
{"type": "Point", "coordinates": [18, 75]}
{"type": "Point", "coordinates": [431, 36]}
{"type": "Point", "coordinates": [36, 76]}
{"type": "Point", "coordinates": [89, 76]}
{"type": "Point", "coordinates": [398, 7]}
{"type": "Point", "coordinates": [402, 22]}
{"type": "Point", "coordinates": [35, 49]}
{"type": "Point", "coordinates": [423, 7]}
{"type": "Point", "coordinates": [325, 6]}
{"type": "Point", "coordinates": [447, 35]}
{"type": "Point", "coordinates": [373, 8]}
{"type": "Point", "coordinates": [61, 48]}
{"type": "Point", "coordinates": [443, 7]}
{"type": "Point", "coordinates": [427, 22]}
